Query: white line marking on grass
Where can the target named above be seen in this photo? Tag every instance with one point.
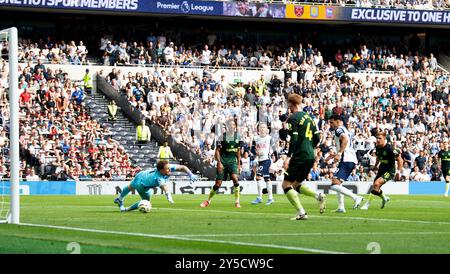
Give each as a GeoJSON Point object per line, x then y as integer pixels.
{"type": "Point", "coordinates": [386, 220]}
{"type": "Point", "coordinates": [278, 214]}
{"type": "Point", "coordinates": [313, 216]}
{"type": "Point", "coordinates": [317, 234]}
{"type": "Point", "coordinates": [180, 238]}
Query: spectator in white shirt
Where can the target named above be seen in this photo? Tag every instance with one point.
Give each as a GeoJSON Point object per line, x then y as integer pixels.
{"type": "Point", "coordinates": [169, 54]}
{"type": "Point", "coordinates": [205, 58]}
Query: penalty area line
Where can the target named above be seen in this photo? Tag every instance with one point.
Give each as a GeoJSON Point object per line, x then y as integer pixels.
{"type": "Point", "coordinates": [280, 214]}
{"type": "Point", "coordinates": [188, 239]}
{"type": "Point", "coordinates": [326, 215]}
{"type": "Point", "coordinates": [311, 216]}
{"type": "Point", "coordinates": [317, 234]}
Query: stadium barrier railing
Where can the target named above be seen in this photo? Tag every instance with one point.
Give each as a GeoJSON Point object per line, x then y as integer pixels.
{"type": "Point", "coordinates": [136, 116]}
{"type": "Point", "coordinates": [121, 100]}
{"type": "Point", "coordinates": [194, 160]}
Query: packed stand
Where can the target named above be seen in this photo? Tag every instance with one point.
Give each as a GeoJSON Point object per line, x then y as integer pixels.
{"type": "Point", "coordinates": [411, 104]}
{"type": "Point", "coordinates": [49, 51]}
{"type": "Point", "coordinates": [159, 49]}
{"type": "Point", "coordinates": [372, 55]}
{"type": "Point", "coordinates": [58, 138]}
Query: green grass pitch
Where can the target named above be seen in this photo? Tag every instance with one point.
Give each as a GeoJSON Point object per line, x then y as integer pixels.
{"type": "Point", "coordinates": [408, 224]}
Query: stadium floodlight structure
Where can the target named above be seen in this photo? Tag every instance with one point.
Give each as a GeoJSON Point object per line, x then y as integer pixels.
{"type": "Point", "coordinates": [13, 214]}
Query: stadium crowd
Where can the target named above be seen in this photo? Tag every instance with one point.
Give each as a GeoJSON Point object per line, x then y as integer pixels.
{"type": "Point", "coordinates": [58, 138]}
{"type": "Point", "coordinates": [370, 55]}
{"type": "Point", "coordinates": [410, 103]}
{"type": "Point", "coordinates": [49, 51]}
{"type": "Point", "coordinates": [159, 49]}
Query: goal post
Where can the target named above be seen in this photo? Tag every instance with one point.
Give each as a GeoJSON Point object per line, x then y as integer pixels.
{"type": "Point", "coordinates": [10, 35]}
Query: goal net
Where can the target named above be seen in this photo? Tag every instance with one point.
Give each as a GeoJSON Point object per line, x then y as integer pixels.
{"type": "Point", "coordinates": [9, 127]}
{"type": "Point", "coordinates": [5, 201]}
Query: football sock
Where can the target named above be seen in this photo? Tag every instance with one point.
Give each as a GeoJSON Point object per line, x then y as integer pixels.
{"type": "Point", "coordinates": [380, 194]}
{"type": "Point", "coordinates": [259, 186]}
{"type": "Point", "coordinates": [212, 192]}
{"type": "Point", "coordinates": [269, 189]}
{"type": "Point", "coordinates": [303, 189]}
{"type": "Point", "coordinates": [447, 186]}
{"type": "Point", "coordinates": [134, 206]}
{"type": "Point", "coordinates": [340, 199]}
{"type": "Point", "coordinates": [124, 192]}
{"type": "Point", "coordinates": [169, 196]}
{"type": "Point", "coordinates": [371, 196]}
{"type": "Point", "coordinates": [236, 192]}
{"type": "Point", "coordinates": [292, 196]}
{"type": "Point", "coordinates": [344, 190]}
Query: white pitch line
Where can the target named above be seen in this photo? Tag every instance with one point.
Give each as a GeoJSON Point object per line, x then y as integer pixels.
{"type": "Point", "coordinates": [317, 234]}
{"type": "Point", "coordinates": [312, 216]}
{"type": "Point", "coordinates": [285, 214]}
{"type": "Point", "coordinates": [386, 220]}
{"type": "Point", "coordinates": [171, 237]}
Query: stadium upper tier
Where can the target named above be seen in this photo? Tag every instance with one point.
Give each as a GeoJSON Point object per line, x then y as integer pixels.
{"type": "Point", "coordinates": [159, 49]}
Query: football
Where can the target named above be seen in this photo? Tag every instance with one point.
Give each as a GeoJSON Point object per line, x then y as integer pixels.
{"type": "Point", "coordinates": [144, 206]}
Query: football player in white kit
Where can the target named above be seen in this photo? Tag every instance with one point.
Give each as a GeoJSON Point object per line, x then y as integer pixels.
{"type": "Point", "coordinates": [347, 161]}
{"type": "Point", "coordinates": [263, 145]}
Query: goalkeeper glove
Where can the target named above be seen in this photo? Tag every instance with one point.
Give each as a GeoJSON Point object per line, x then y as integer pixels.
{"type": "Point", "coordinates": [192, 178]}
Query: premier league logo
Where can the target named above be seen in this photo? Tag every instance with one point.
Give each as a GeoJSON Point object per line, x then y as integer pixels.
{"type": "Point", "coordinates": [298, 10]}
{"type": "Point", "coordinates": [314, 12]}
{"type": "Point", "coordinates": [185, 7]}
{"type": "Point", "coordinates": [329, 12]}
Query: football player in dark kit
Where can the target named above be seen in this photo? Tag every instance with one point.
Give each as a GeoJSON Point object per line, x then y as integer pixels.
{"type": "Point", "coordinates": [387, 154]}
{"type": "Point", "coordinates": [304, 138]}
{"type": "Point", "coordinates": [228, 157]}
{"type": "Point", "coordinates": [444, 155]}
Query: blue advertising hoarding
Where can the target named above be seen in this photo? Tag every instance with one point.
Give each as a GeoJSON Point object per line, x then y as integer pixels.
{"type": "Point", "coordinates": [427, 188]}
{"type": "Point", "coordinates": [186, 7]}
{"type": "Point", "coordinates": [144, 6]}
{"type": "Point", "coordinates": [246, 9]}
{"type": "Point", "coordinates": [102, 5]}
{"type": "Point", "coordinates": [376, 15]}
{"type": "Point", "coordinates": [42, 188]}
{"type": "Point", "coordinates": [424, 17]}
{"type": "Point", "coordinates": [109, 188]}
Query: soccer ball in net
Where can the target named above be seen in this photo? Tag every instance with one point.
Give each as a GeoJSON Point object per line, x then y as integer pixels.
{"type": "Point", "coordinates": [144, 206]}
